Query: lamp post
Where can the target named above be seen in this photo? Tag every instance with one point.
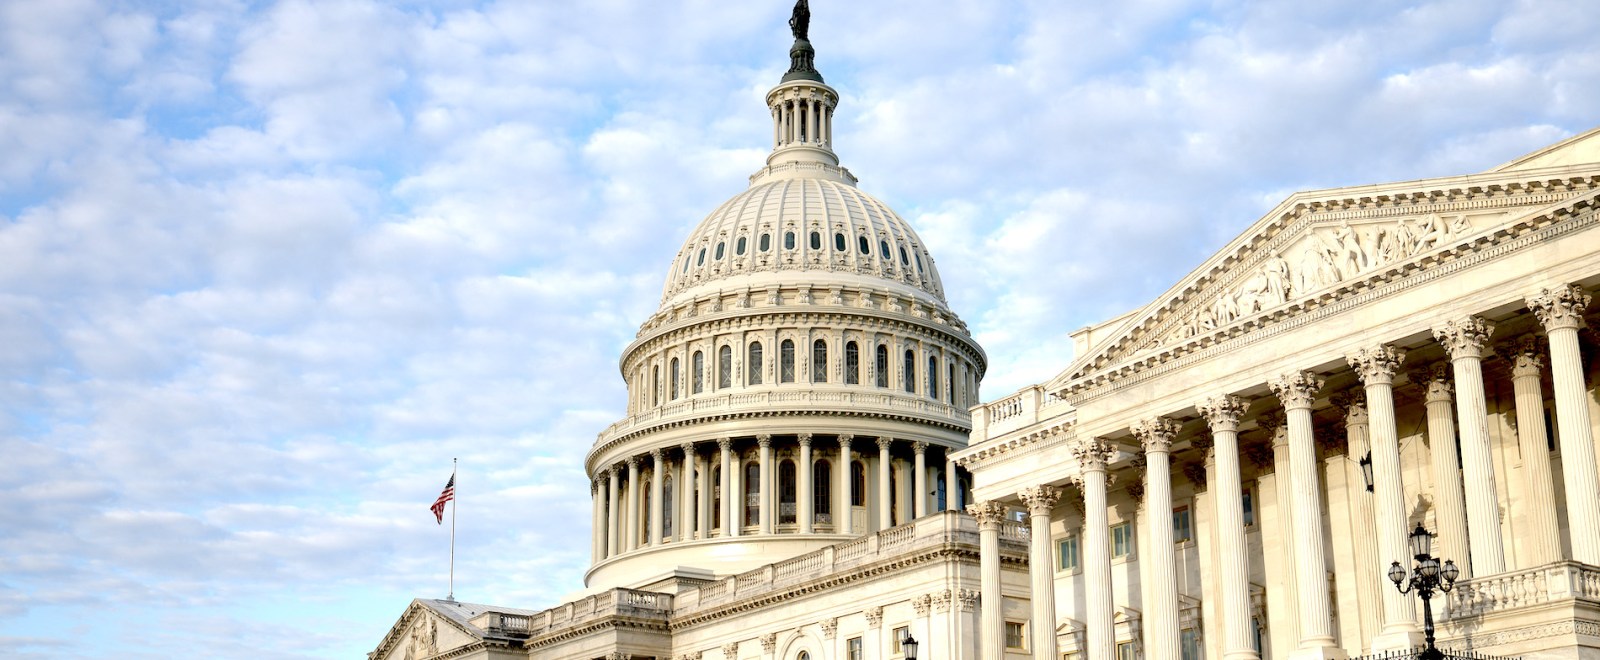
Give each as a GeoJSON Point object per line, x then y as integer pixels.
{"type": "Point", "coordinates": [1428, 577]}
{"type": "Point", "coordinates": [1366, 469]}
{"type": "Point", "coordinates": [909, 646]}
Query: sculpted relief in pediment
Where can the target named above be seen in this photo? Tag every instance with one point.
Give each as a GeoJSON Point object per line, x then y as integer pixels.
{"type": "Point", "coordinates": [424, 642]}
{"type": "Point", "coordinates": [1318, 259]}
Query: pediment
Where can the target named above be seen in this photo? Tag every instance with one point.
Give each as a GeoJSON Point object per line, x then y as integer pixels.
{"type": "Point", "coordinates": [1317, 247]}
{"type": "Point", "coordinates": [1580, 149]}
{"type": "Point", "coordinates": [424, 632]}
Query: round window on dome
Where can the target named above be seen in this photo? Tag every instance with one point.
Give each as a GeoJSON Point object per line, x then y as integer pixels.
{"type": "Point", "coordinates": [738, 248]}
{"type": "Point", "coordinates": [702, 258]}
{"type": "Point", "coordinates": [838, 242]}
{"type": "Point", "coordinates": [788, 240]}
{"type": "Point", "coordinates": [719, 251]}
{"type": "Point", "coordinates": [865, 245]}
{"type": "Point", "coordinates": [905, 260]}
{"type": "Point", "coordinates": [883, 249]}
{"type": "Point", "coordinates": [816, 241]}
{"type": "Point", "coordinates": [766, 242]}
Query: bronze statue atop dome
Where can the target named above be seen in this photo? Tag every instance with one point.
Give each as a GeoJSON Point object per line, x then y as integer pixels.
{"type": "Point", "coordinates": [800, 21]}
{"type": "Point", "coordinates": [801, 56]}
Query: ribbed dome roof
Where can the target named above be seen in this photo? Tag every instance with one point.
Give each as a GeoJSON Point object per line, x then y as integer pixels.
{"type": "Point", "coordinates": [791, 230]}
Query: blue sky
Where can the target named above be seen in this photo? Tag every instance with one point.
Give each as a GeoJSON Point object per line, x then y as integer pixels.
{"type": "Point", "coordinates": [266, 267]}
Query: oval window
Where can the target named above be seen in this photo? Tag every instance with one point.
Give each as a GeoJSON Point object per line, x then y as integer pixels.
{"type": "Point", "coordinates": [685, 264]}
{"type": "Point", "coordinates": [766, 242]}
{"type": "Point", "coordinates": [883, 248]}
{"type": "Point", "coordinates": [838, 242]}
{"type": "Point", "coordinates": [919, 261]}
{"type": "Point", "coordinates": [702, 259]}
{"type": "Point", "coordinates": [903, 258]}
{"type": "Point", "coordinates": [865, 245]}
{"type": "Point", "coordinates": [816, 241]}
{"type": "Point", "coordinates": [719, 251]}
{"type": "Point", "coordinates": [739, 248]}
{"type": "Point", "coordinates": [788, 240]}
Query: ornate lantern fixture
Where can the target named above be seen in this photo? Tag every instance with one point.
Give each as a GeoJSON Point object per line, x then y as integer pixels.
{"type": "Point", "coordinates": [1427, 577]}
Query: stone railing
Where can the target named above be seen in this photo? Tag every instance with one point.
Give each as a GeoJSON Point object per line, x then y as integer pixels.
{"type": "Point", "coordinates": [1028, 406]}
{"type": "Point", "coordinates": [630, 602]}
{"type": "Point", "coordinates": [503, 624]}
{"type": "Point", "coordinates": [1491, 594]}
{"type": "Point", "coordinates": [844, 399]}
{"type": "Point", "coordinates": [1015, 533]}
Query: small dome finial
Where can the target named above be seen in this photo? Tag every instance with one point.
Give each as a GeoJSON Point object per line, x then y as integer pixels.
{"type": "Point", "coordinates": [802, 56]}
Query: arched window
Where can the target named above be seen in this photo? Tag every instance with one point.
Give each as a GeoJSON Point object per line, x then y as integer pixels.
{"type": "Point", "coordinates": [839, 242]}
{"type": "Point", "coordinates": [716, 497]}
{"type": "Point", "coordinates": [667, 482]}
{"type": "Point", "coordinates": [883, 249]}
{"type": "Point", "coordinates": [803, 656]}
{"type": "Point", "coordinates": [738, 248]}
{"type": "Point", "coordinates": [752, 493]}
{"type": "Point", "coordinates": [698, 378]}
{"type": "Point", "coordinates": [644, 506]}
{"type": "Point", "coordinates": [822, 491]}
{"type": "Point", "coordinates": [685, 263]}
{"type": "Point", "coordinates": [910, 375]}
{"type": "Point", "coordinates": [786, 493]}
{"type": "Point", "coordinates": [919, 261]}
{"type": "Point", "coordinates": [786, 361]}
{"type": "Point", "coordinates": [819, 361]}
{"type": "Point", "coordinates": [883, 366]}
{"type": "Point", "coordinates": [788, 240]}
{"type": "Point", "coordinates": [673, 386]}
{"type": "Point", "coordinates": [950, 381]}
{"type": "Point", "coordinates": [701, 260]}
{"type": "Point", "coordinates": [725, 366]}
{"type": "Point", "coordinates": [904, 260]}
{"type": "Point", "coordinates": [816, 240]}
{"type": "Point", "coordinates": [852, 364]}
{"type": "Point", "coordinates": [655, 384]}
{"type": "Point", "coordinates": [766, 242]}
{"type": "Point", "coordinates": [858, 484]}
{"type": "Point", "coordinates": [864, 245]}
{"type": "Point", "coordinates": [933, 377]}
{"type": "Point", "coordinates": [752, 365]}
{"type": "Point", "coordinates": [720, 247]}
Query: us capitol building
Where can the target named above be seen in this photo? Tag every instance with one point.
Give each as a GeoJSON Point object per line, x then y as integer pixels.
{"type": "Point", "coordinates": [806, 470]}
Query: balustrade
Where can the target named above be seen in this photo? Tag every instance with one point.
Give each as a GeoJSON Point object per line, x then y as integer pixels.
{"type": "Point", "coordinates": [1502, 592]}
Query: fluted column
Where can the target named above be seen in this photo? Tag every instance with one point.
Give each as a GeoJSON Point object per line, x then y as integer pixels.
{"type": "Point", "coordinates": [1297, 391]}
{"type": "Point", "coordinates": [631, 532]}
{"type": "Point", "coordinates": [919, 481]}
{"type": "Point", "coordinates": [1561, 312]}
{"type": "Point", "coordinates": [991, 617]}
{"type": "Point", "coordinates": [1542, 538]}
{"type": "Point", "coordinates": [1040, 501]}
{"type": "Point", "coordinates": [766, 501]}
{"type": "Point", "coordinates": [1275, 423]}
{"type": "Point", "coordinates": [1465, 340]}
{"type": "Point", "coordinates": [686, 493]}
{"type": "Point", "coordinates": [1092, 455]}
{"type": "Point", "coordinates": [1449, 498]}
{"type": "Point", "coordinates": [842, 510]}
{"type": "Point", "coordinates": [1161, 612]}
{"type": "Point", "coordinates": [613, 511]}
{"type": "Point", "coordinates": [885, 508]}
{"type": "Point", "coordinates": [704, 499]}
{"type": "Point", "coordinates": [596, 522]}
{"type": "Point", "coordinates": [952, 484]}
{"type": "Point", "coordinates": [1376, 367]}
{"type": "Point", "coordinates": [803, 472]}
{"type": "Point", "coordinates": [730, 525]}
{"type": "Point", "coordinates": [1222, 415]}
{"type": "Point", "coordinates": [658, 473]}
{"type": "Point", "coordinates": [1360, 512]}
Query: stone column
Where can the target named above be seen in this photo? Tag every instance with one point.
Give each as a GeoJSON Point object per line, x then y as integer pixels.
{"type": "Point", "coordinates": [1092, 455]}
{"type": "Point", "coordinates": [1449, 501]}
{"type": "Point", "coordinates": [730, 525]}
{"type": "Point", "coordinates": [597, 538]}
{"type": "Point", "coordinates": [1040, 500]}
{"type": "Point", "coordinates": [1222, 415]}
{"type": "Point", "coordinates": [1286, 594]}
{"type": "Point", "coordinates": [686, 494]}
{"type": "Point", "coordinates": [842, 511]}
{"type": "Point", "coordinates": [1161, 613]}
{"type": "Point", "coordinates": [1376, 366]}
{"type": "Point", "coordinates": [990, 516]}
{"type": "Point", "coordinates": [952, 484]}
{"type": "Point", "coordinates": [885, 510]}
{"type": "Point", "coordinates": [613, 511]}
{"type": "Point", "coordinates": [1543, 536]}
{"type": "Point", "coordinates": [1465, 340]}
{"type": "Point", "coordinates": [919, 481]}
{"type": "Point", "coordinates": [1561, 312]}
{"type": "Point", "coordinates": [658, 474]}
{"type": "Point", "coordinates": [1296, 391]}
{"type": "Point", "coordinates": [703, 508]}
{"type": "Point", "coordinates": [803, 504]}
{"type": "Point", "coordinates": [1360, 514]}
{"type": "Point", "coordinates": [765, 499]}
{"type": "Point", "coordinates": [631, 531]}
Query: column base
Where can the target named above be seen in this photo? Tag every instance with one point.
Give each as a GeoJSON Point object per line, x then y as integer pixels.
{"type": "Point", "coordinates": [1397, 640]}
{"type": "Point", "coordinates": [1241, 655]}
{"type": "Point", "coordinates": [1318, 653]}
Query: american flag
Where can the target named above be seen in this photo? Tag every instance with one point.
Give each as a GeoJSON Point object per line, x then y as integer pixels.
{"type": "Point", "coordinates": [449, 493]}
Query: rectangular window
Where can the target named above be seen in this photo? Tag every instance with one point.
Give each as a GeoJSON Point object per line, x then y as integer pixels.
{"type": "Point", "coordinates": [1014, 635]}
{"type": "Point", "coordinates": [1249, 508]}
{"type": "Point", "coordinates": [1121, 540]}
{"type": "Point", "coordinates": [1182, 526]}
{"type": "Point", "coordinates": [1126, 651]}
{"type": "Point", "coordinates": [1188, 645]}
{"type": "Point", "coordinates": [1067, 554]}
{"type": "Point", "coordinates": [900, 635]}
{"type": "Point", "coordinates": [855, 652]}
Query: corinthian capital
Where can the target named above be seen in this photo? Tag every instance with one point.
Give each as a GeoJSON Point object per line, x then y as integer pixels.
{"type": "Point", "coordinates": [1527, 360]}
{"type": "Point", "coordinates": [1560, 307]}
{"type": "Point", "coordinates": [805, 439]}
{"type": "Point", "coordinates": [884, 442]}
{"type": "Point", "coordinates": [725, 443]}
{"type": "Point", "coordinates": [1376, 365]}
{"type": "Point", "coordinates": [1354, 404]}
{"type": "Point", "coordinates": [1465, 338]}
{"type": "Point", "coordinates": [990, 513]}
{"type": "Point", "coordinates": [1297, 390]}
{"type": "Point", "coordinates": [1156, 433]}
{"type": "Point", "coordinates": [1440, 387]}
{"type": "Point", "coordinates": [764, 440]}
{"type": "Point", "coordinates": [1093, 453]}
{"type": "Point", "coordinates": [1222, 412]}
{"type": "Point", "coordinates": [1040, 499]}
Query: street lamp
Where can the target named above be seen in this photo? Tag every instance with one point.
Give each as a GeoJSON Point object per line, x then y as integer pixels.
{"type": "Point", "coordinates": [909, 646]}
{"type": "Point", "coordinates": [1427, 577]}
{"type": "Point", "coordinates": [1366, 469]}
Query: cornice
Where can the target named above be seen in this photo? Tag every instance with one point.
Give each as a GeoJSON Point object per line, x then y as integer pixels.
{"type": "Point", "coordinates": [1001, 450]}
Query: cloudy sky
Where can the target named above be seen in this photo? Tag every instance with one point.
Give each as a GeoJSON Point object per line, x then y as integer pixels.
{"type": "Point", "coordinates": [265, 268]}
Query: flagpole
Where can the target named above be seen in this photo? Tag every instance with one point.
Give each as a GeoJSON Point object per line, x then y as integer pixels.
{"type": "Point", "coordinates": [452, 595]}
